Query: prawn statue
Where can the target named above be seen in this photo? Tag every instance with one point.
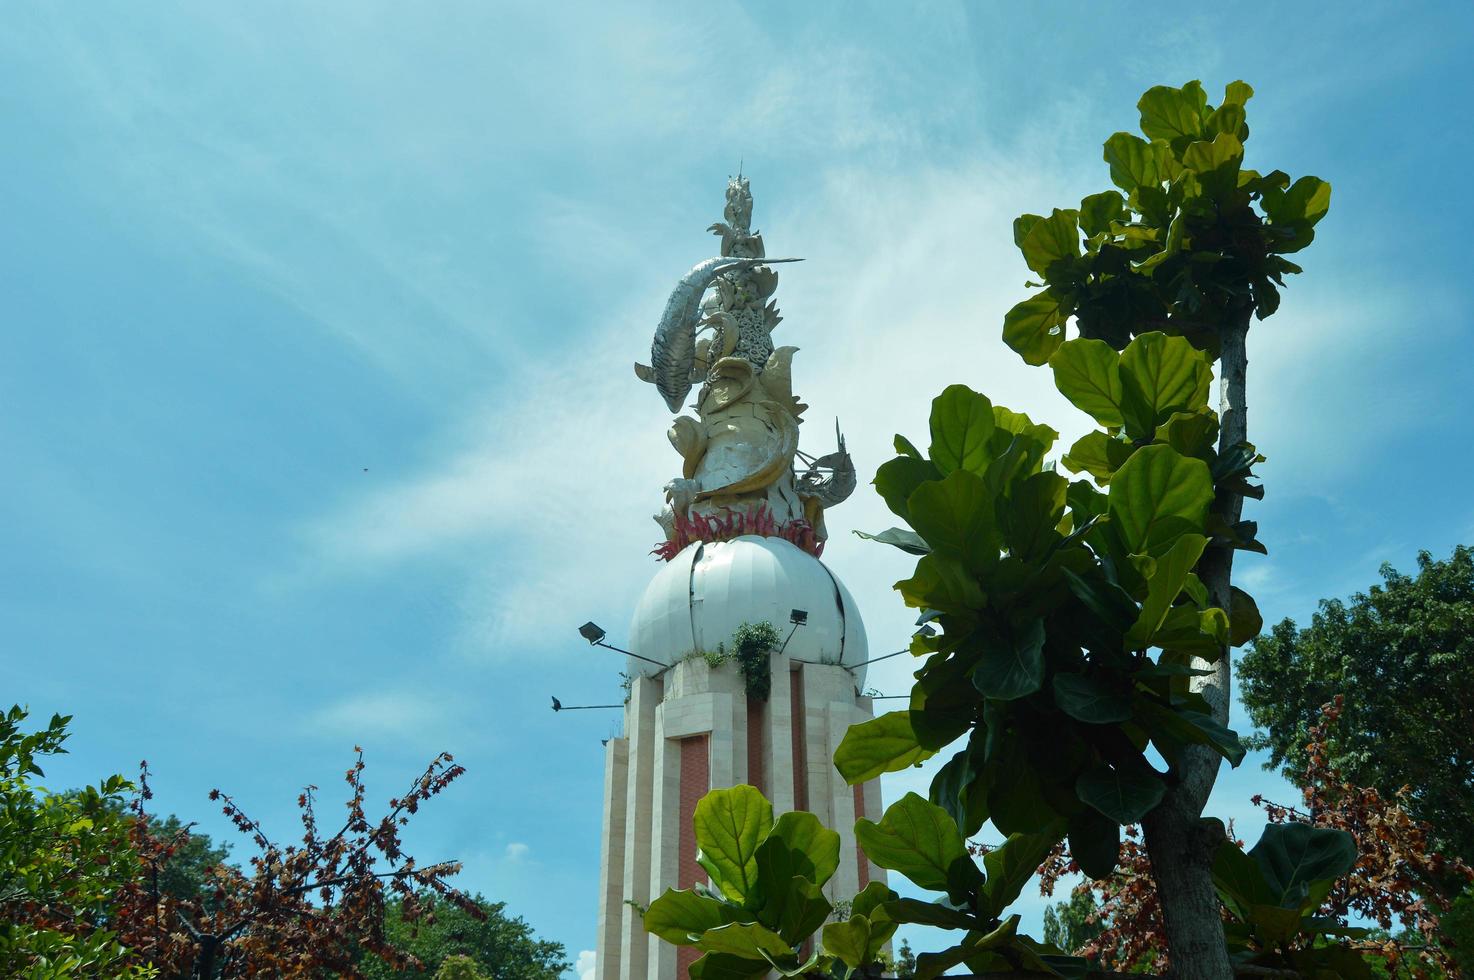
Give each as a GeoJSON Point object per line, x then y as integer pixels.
{"type": "Point", "coordinates": [740, 451]}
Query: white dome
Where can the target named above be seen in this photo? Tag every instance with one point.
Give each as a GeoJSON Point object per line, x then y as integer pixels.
{"type": "Point", "coordinates": [701, 596]}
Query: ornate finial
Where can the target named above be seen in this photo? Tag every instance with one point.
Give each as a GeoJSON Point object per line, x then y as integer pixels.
{"type": "Point", "coordinates": [739, 456]}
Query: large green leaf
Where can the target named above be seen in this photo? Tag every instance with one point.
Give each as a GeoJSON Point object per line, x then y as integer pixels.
{"type": "Point", "coordinates": [730, 824]}
{"type": "Point", "coordinates": [749, 940]}
{"type": "Point", "coordinates": [1012, 666]}
{"type": "Point", "coordinates": [1156, 496]}
{"type": "Point", "coordinates": [792, 907]}
{"type": "Point", "coordinates": [1169, 575]}
{"type": "Point", "coordinates": [1161, 375]}
{"type": "Point", "coordinates": [958, 789]}
{"type": "Point", "coordinates": [915, 838]}
{"type": "Point", "coordinates": [1034, 328]}
{"type": "Point", "coordinates": [898, 478]}
{"type": "Point", "coordinates": [1009, 868]}
{"type": "Point", "coordinates": [1134, 162]}
{"type": "Point", "coordinates": [1239, 879]}
{"type": "Point", "coordinates": [1123, 796]}
{"type": "Point", "coordinates": [961, 423]}
{"type": "Point", "coordinates": [1237, 93]}
{"type": "Point", "coordinates": [725, 966]}
{"type": "Point", "coordinates": [1294, 856]}
{"type": "Point", "coordinates": [908, 541]}
{"type": "Point", "coordinates": [1090, 700]}
{"type": "Point", "coordinates": [1088, 373]}
{"type": "Point", "coordinates": [1244, 622]}
{"type": "Point", "coordinates": [1095, 842]}
{"type": "Point", "coordinates": [1097, 454]}
{"type": "Point", "coordinates": [1098, 211]}
{"type": "Point", "coordinates": [1052, 240]}
{"type": "Point", "coordinates": [813, 849]}
{"type": "Point", "coordinates": [871, 900]}
{"type": "Point", "coordinates": [1173, 113]}
{"type": "Point", "coordinates": [957, 518]}
{"type": "Point", "coordinates": [1033, 515]}
{"type": "Point", "coordinates": [1173, 727]}
{"type": "Point", "coordinates": [1306, 201]}
{"type": "Point", "coordinates": [1021, 226]}
{"type": "Point", "coordinates": [849, 940]}
{"type": "Point", "coordinates": [884, 744]}
{"type": "Point", "coordinates": [1016, 801]}
{"type": "Point", "coordinates": [1216, 163]}
{"type": "Point", "coordinates": [1190, 433]}
{"type": "Point", "coordinates": [680, 917]}
{"type": "Point", "coordinates": [921, 913]}
{"type": "Point", "coordinates": [943, 584]}
{"type": "Point", "coordinates": [974, 944]}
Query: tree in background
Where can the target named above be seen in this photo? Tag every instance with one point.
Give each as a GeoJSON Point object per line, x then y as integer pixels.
{"type": "Point", "coordinates": [1072, 924]}
{"type": "Point", "coordinates": [1400, 654]}
{"type": "Point", "coordinates": [301, 910]}
{"type": "Point", "coordinates": [445, 938]}
{"type": "Point", "coordinates": [64, 860]}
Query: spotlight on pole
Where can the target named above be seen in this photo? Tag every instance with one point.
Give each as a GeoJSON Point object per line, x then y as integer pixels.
{"type": "Point", "coordinates": [595, 634]}
{"type": "Point", "coordinates": [797, 617]}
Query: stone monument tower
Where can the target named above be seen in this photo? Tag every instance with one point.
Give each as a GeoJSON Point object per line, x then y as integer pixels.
{"type": "Point", "coordinates": [750, 649]}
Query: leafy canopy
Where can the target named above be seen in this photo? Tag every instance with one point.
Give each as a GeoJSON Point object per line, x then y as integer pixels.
{"type": "Point", "coordinates": [1072, 614]}
{"type": "Point", "coordinates": [1400, 653]}
{"type": "Point", "coordinates": [447, 941]}
{"type": "Point", "coordinates": [64, 858]}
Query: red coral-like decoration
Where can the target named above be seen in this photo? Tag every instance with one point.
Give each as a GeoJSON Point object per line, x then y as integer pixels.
{"type": "Point", "coordinates": [734, 524]}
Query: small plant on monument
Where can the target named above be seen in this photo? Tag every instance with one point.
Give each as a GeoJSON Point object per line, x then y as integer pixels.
{"type": "Point", "coordinates": [765, 900]}
{"type": "Point", "coordinates": [752, 643]}
{"type": "Point", "coordinates": [1085, 623]}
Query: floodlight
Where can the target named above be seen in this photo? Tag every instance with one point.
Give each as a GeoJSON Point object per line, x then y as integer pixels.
{"type": "Point", "coordinates": [592, 632]}
{"type": "Point", "coordinates": [798, 617]}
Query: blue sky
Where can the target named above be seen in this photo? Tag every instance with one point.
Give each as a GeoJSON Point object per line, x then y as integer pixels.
{"type": "Point", "coordinates": [316, 413]}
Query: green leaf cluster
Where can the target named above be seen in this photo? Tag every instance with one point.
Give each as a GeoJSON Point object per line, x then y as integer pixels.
{"type": "Point", "coordinates": [765, 897]}
{"type": "Point", "coordinates": [1069, 615]}
{"type": "Point", "coordinates": [63, 858]}
{"type": "Point", "coordinates": [1273, 893]}
{"type": "Point", "coordinates": [1188, 238]}
{"type": "Point", "coordinates": [449, 942]}
{"type": "Point", "coordinates": [921, 840]}
{"type": "Point", "coordinates": [1400, 653]}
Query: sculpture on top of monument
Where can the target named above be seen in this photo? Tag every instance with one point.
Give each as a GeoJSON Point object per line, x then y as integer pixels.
{"type": "Point", "coordinates": [738, 473]}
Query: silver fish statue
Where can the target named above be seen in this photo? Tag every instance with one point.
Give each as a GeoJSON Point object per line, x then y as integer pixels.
{"type": "Point", "coordinates": [673, 352]}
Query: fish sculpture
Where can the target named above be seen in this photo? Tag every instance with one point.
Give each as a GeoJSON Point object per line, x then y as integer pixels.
{"type": "Point", "coordinates": [673, 352]}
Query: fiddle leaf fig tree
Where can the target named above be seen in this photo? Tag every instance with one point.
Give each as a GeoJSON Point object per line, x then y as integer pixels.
{"type": "Point", "coordinates": [1084, 625]}
{"type": "Point", "coordinates": [765, 901]}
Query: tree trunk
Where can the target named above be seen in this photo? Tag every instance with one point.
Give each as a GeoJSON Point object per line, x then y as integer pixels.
{"type": "Point", "coordinates": [1181, 846]}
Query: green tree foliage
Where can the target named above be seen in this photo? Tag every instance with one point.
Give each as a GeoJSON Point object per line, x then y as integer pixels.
{"type": "Point", "coordinates": [63, 859]}
{"type": "Point", "coordinates": [765, 902]}
{"type": "Point", "coordinates": [1401, 654]}
{"type": "Point", "coordinates": [451, 943]}
{"type": "Point", "coordinates": [1079, 618]}
{"type": "Point", "coordinates": [187, 874]}
{"type": "Point", "coordinates": [1071, 924]}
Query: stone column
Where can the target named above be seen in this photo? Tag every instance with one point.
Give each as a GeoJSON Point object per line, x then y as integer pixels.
{"type": "Point", "coordinates": [611, 875]}
{"type": "Point", "coordinates": [640, 729]}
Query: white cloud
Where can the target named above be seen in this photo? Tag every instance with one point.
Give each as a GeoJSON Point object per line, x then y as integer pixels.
{"type": "Point", "coordinates": [584, 967]}
{"type": "Point", "coordinates": [407, 713]}
{"type": "Point", "coordinates": [517, 851]}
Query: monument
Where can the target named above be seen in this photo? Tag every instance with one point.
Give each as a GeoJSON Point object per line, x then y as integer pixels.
{"type": "Point", "coordinates": [750, 651]}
